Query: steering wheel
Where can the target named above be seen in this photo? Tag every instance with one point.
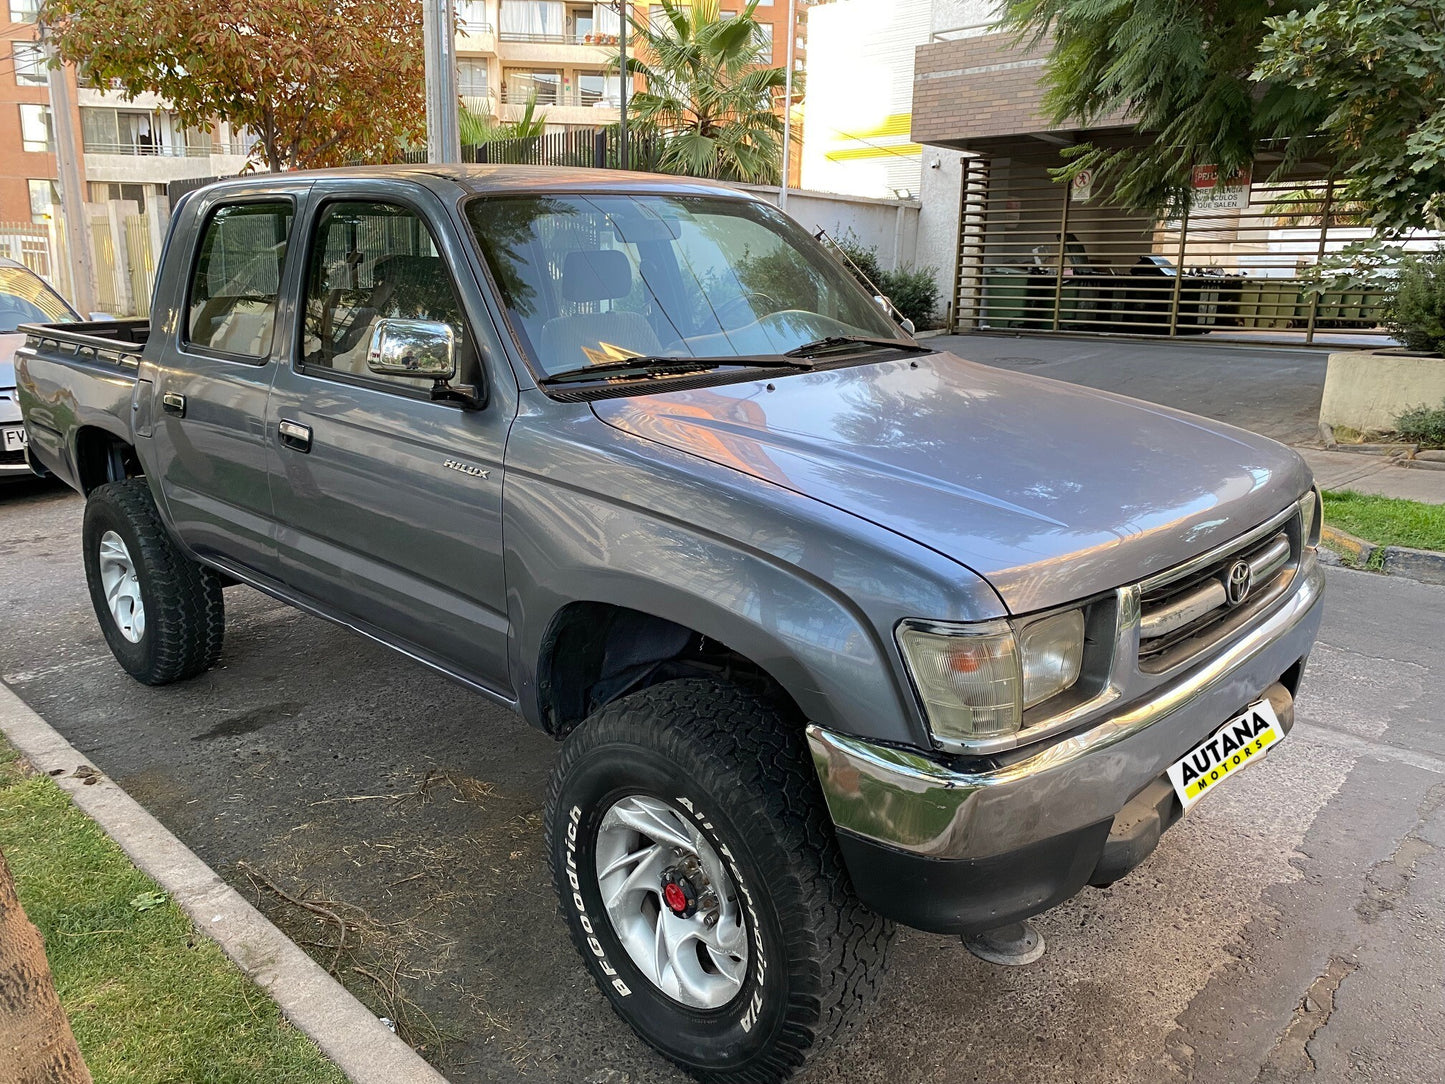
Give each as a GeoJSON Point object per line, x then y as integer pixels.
{"type": "Point", "coordinates": [744, 308]}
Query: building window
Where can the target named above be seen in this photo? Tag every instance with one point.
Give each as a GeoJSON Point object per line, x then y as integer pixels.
{"type": "Point", "coordinates": [471, 78]}
{"type": "Point", "coordinates": [519, 84]}
{"type": "Point", "coordinates": [473, 16]}
{"type": "Point", "coordinates": [597, 87]}
{"type": "Point", "coordinates": [44, 198]}
{"type": "Point", "coordinates": [35, 129]}
{"type": "Point", "coordinates": [121, 131]}
{"type": "Point", "coordinates": [24, 11]}
{"type": "Point", "coordinates": [765, 37]}
{"type": "Point", "coordinates": [533, 20]}
{"type": "Point", "coordinates": [30, 68]}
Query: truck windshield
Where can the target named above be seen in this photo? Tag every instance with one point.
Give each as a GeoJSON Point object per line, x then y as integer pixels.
{"type": "Point", "coordinates": [25, 299]}
{"type": "Point", "coordinates": [595, 279]}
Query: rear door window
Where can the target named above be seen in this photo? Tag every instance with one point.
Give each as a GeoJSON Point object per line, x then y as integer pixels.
{"type": "Point", "coordinates": [237, 278]}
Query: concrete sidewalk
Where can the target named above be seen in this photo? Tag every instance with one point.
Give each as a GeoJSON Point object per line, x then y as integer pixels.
{"type": "Point", "coordinates": [1378, 474]}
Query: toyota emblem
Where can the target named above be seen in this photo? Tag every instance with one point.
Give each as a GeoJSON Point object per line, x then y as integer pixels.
{"type": "Point", "coordinates": [1238, 582]}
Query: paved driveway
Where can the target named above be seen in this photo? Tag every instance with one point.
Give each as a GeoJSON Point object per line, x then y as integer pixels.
{"type": "Point", "coordinates": [1289, 929]}
{"type": "Point", "coordinates": [1274, 391]}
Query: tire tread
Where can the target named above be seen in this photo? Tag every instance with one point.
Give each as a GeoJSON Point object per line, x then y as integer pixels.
{"type": "Point", "coordinates": [186, 614]}
{"type": "Point", "coordinates": [738, 737]}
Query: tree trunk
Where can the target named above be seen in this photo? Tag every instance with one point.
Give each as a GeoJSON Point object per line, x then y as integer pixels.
{"type": "Point", "coordinates": [36, 1044]}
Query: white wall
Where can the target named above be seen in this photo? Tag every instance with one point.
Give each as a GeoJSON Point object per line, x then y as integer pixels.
{"type": "Point", "coordinates": [859, 105]}
{"type": "Point", "coordinates": [889, 225]}
{"type": "Point", "coordinates": [938, 195]}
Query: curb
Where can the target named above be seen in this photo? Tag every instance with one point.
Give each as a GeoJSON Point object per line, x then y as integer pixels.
{"type": "Point", "coordinates": [347, 1032]}
{"type": "Point", "coordinates": [1427, 566]}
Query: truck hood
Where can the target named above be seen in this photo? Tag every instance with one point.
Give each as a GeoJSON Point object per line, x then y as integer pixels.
{"type": "Point", "coordinates": [1050, 491]}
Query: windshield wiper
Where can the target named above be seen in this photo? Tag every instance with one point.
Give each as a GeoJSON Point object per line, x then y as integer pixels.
{"type": "Point", "coordinates": [834, 344]}
{"type": "Point", "coordinates": [663, 366]}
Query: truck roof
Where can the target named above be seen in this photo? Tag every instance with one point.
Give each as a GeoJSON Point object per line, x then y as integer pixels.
{"type": "Point", "coordinates": [491, 179]}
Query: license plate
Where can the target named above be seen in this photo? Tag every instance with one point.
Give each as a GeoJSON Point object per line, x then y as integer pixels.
{"type": "Point", "coordinates": [1241, 741]}
{"type": "Point", "coordinates": [15, 438]}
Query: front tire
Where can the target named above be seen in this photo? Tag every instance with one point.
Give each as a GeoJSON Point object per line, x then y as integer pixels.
{"type": "Point", "coordinates": [687, 817]}
{"type": "Point", "coordinates": [162, 613]}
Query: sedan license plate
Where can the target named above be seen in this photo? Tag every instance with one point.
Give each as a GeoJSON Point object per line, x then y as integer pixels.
{"type": "Point", "coordinates": [1245, 738]}
{"type": "Point", "coordinates": [15, 438]}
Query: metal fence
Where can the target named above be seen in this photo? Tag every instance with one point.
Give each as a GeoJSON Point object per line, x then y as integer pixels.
{"type": "Point", "coordinates": [1032, 255]}
{"type": "Point", "coordinates": [597, 148]}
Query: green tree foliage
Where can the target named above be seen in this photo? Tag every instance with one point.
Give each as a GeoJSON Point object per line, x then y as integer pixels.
{"type": "Point", "coordinates": [1380, 67]}
{"type": "Point", "coordinates": [1180, 69]}
{"type": "Point", "coordinates": [913, 290]}
{"type": "Point", "coordinates": [710, 96]}
{"type": "Point", "coordinates": [320, 82]}
{"type": "Point", "coordinates": [1358, 81]}
{"type": "Point", "coordinates": [477, 128]}
{"type": "Point", "coordinates": [1416, 314]}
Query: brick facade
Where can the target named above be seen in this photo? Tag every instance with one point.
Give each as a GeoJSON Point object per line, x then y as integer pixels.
{"type": "Point", "coordinates": [972, 92]}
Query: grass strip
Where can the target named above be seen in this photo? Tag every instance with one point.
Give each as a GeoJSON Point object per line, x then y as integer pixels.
{"type": "Point", "coordinates": [149, 998]}
{"type": "Point", "coordinates": [1386, 521]}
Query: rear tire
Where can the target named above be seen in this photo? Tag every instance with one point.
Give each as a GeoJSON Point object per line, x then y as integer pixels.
{"type": "Point", "coordinates": [162, 613]}
{"type": "Point", "coordinates": [734, 771]}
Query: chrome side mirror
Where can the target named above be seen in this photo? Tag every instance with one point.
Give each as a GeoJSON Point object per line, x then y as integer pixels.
{"type": "Point", "coordinates": [421, 348]}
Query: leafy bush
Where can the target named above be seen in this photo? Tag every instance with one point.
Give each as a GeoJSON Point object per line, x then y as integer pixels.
{"type": "Point", "coordinates": [915, 293]}
{"type": "Point", "coordinates": [911, 289]}
{"type": "Point", "coordinates": [1423, 425]}
{"type": "Point", "coordinates": [1416, 312]}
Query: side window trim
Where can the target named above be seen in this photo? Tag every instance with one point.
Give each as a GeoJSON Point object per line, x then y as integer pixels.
{"type": "Point", "coordinates": [316, 221]}
{"type": "Point", "coordinates": [206, 217]}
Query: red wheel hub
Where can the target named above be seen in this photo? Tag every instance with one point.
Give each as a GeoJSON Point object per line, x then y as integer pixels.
{"type": "Point", "coordinates": [675, 898]}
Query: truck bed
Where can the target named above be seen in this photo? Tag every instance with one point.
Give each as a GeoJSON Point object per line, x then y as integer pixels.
{"type": "Point", "coordinates": [74, 377]}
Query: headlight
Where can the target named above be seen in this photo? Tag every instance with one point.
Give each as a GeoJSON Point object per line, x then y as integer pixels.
{"type": "Point", "coordinates": [1310, 511]}
{"type": "Point", "coordinates": [976, 680]}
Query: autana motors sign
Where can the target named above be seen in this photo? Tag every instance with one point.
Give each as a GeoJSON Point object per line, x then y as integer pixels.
{"type": "Point", "coordinates": [1210, 195]}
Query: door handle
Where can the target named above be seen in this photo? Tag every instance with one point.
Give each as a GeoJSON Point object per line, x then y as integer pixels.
{"type": "Point", "coordinates": [295, 435]}
{"type": "Point", "coordinates": [174, 403]}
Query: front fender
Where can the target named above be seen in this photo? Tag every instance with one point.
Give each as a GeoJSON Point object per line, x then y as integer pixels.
{"type": "Point", "coordinates": [807, 592]}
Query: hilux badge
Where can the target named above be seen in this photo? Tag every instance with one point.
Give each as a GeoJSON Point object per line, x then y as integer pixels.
{"type": "Point", "coordinates": [466, 468]}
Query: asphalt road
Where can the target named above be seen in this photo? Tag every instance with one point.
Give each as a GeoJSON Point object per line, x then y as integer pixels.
{"type": "Point", "coordinates": [1292, 928]}
{"type": "Point", "coordinates": [1271, 390]}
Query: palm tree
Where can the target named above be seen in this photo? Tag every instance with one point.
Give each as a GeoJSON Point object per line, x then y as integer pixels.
{"type": "Point", "coordinates": [710, 96]}
{"type": "Point", "coordinates": [477, 128]}
{"type": "Point", "coordinates": [34, 1032]}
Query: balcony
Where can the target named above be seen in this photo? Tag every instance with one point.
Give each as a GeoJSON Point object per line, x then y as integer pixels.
{"type": "Point", "coordinates": [552, 96]}
{"type": "Point", "coordinates": [147, 150]}
{"type": "Point", "coordinates": [478, 37]}
{"type": "Point", "coordinates": [570, 38]}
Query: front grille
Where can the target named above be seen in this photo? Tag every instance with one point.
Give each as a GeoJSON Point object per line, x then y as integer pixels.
{"type": "Point", "coordinates": [1185, 613]}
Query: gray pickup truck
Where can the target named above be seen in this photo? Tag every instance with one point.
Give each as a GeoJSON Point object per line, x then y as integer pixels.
{"type": "Point", "coordinates": [835, 630]}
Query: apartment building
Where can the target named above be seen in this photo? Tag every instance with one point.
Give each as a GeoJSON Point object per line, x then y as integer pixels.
{"type": "Point", "coordinates": [508, 50]}
{"type": "Point", "coordinates": [130, 148]}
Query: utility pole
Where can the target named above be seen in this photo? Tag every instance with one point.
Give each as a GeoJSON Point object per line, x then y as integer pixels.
{"type": "Point", "coordinates": [622, 84]}
{"type": "Point", "coordinates": [438, 28]}
{"type": "Point", "coordinates": [788, 101]}
{"type": "Point", "coordinates": [70, 181]}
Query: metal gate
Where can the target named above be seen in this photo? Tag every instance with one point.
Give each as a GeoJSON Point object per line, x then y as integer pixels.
{"type": "Point", "coordinates": [1244, 263]}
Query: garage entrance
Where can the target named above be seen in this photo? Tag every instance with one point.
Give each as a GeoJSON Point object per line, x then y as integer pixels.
{"type": "Point", "coordinates": [1035, 255]}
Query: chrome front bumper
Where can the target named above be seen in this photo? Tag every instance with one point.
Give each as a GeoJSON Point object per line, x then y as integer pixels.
{"type": "Point", "coordinates": [912, 803]}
